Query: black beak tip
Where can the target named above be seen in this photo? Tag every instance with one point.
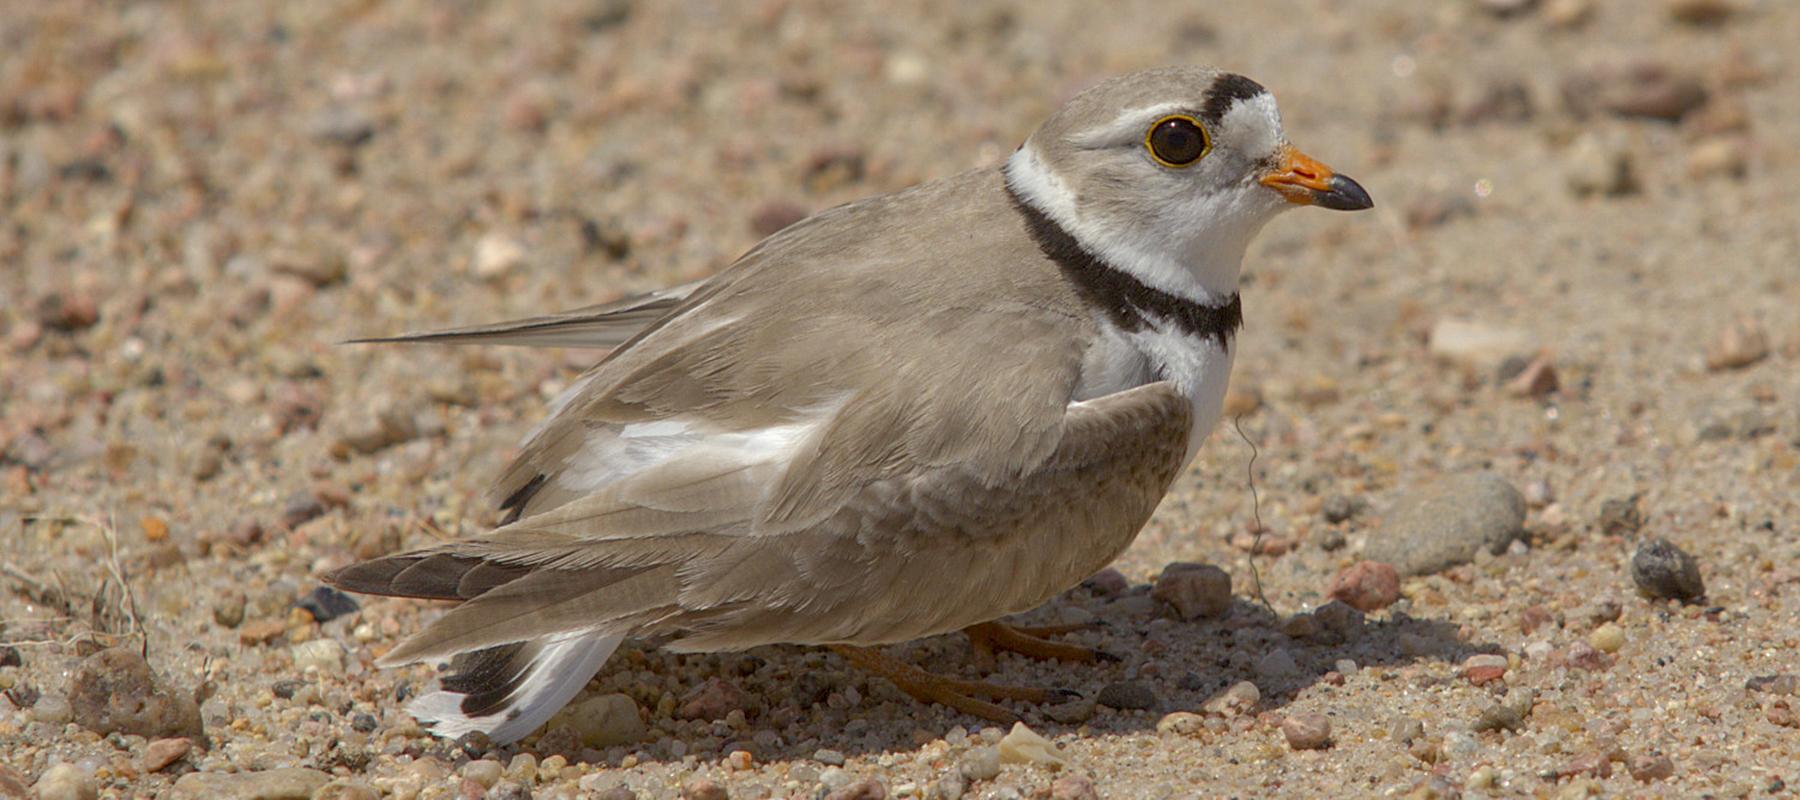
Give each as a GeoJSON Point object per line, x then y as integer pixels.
{"type": "Point", "coordinates": [1344, 195]}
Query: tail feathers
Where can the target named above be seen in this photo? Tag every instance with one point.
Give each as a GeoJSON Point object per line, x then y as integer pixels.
{"type": "Point", "coordinates": [511, 690]}
{"type": "Point", "coordinates": [601, 326]}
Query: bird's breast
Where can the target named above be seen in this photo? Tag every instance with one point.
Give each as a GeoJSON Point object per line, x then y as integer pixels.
{"type": "Point", "coordinates": [1119, 359]}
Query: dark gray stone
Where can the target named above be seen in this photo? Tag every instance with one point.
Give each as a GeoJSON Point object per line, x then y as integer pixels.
{"type": "Point", "coordinates": [1663, 571]}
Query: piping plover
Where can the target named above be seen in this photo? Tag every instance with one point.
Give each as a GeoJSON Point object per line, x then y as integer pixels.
{"type": "Point", "coordinates": [909, 415]}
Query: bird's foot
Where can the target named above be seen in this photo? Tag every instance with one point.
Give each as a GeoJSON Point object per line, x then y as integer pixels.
{"type": "Point", "coordinates": [953, 692]}
{"type": "Point", "coordinates": [988, 637]}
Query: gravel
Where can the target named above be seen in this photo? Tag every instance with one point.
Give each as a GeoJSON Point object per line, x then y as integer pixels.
{"type": "Point", "coordinates": [202, 201]}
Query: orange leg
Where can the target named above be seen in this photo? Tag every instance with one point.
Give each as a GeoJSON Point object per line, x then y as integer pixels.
{"type": "Point", "coordinates": [952, 692]}
{"type": "Point", "coordinates": [988, 637]}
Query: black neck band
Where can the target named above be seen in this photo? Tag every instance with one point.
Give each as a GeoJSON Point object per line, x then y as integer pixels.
{"type": "Point", "coordinates": [1126, 299]}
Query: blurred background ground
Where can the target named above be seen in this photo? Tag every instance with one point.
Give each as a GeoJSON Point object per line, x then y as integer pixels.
{"type": "Point", "coordinates": [1580, 277]}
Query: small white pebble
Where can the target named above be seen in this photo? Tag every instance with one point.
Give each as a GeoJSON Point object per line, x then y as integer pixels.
{"type": "Point", "coordinates": [1607, 638]}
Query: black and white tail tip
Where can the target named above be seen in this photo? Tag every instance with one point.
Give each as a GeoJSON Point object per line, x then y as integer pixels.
{"type": "Point", "coordinates": [509, 691]}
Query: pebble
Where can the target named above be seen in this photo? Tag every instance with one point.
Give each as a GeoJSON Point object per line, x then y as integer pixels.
{"type": "Point", "coordinates": [1582, 655]}
{"type": "Point", "coordinates": [228, 608]}
{"type": "Point", "coordinates": [328, 604]}
{"type": "Point", "coordinates": [711, 700]}
{"type": "Point", "coordinates": [342, 126]}
{"type": "Point", "coordinates": [1607, 638]}
{"type": "Point", "coordinates": [301, 507]}
{"type": "Point", "coordinates": [1598, 164]}
{"type": "Point", "coordinates": [1508, 715]}
{"type": "Point", "coordinates": [1484, 668]}
{"type": "Point", "coordinates": [1022, 745]}
{"type": "Point", "coordinates": [1602, 610]}
{"type": "Point", "coordinates": [951, 786]}
{"type": "Point", "coordinates": [1567, 13]}
{"type": "Point", "coordinates": [1649, 767]}
{"type": "Point", "coordinates": [1073, 787]}
{"type": "Point", "coordinates": [1446, 523]}
{"type": "Point", "coordinates": [323, 656]}
{"type": "Point", "coordinates": [1237, 699]}
{"type": "Point", "coordinates": [1135, 695]}
{"type": "Point", "coordinates": [1778, 684]}
{"type": "Point", "coordinates": [1339, 508]}
{"type": "Point", "coordinates": [345, 789]}
{"type": "Point", "coordinates": [619, 792]}
{"type": "Point", "coordinates": [1663, 571]}
{"type": "Point", "coordinates": [486, 772]}
{"type": "Point", "coordinates": [1644, 88]}
{"type": "Point", "coordinates": [1459, 744]}
{"type": "Point", "coordinates": [374, 429]}
{"type": "Point", "coordinates": [1537, 379]}
{"type": "Point", "coordinates": [1476, 345]}
{"type": "Point", "coordinates": [606, 720]}
{"type": "Point", "coordinates": [1366, 586]}
{"type": "Point", "coordinates": [1194, 590]}
{"type": "Point", "coordinates": [497, 254]}
{"type": "Point", "coordinates": [1738, 345]}
{"type": "Point", "coordinates": [1337, 621]}
{"type": "Point", "coordinates": [114, 691]}
{"type": "Point", "coordinates": [1719, 157]}
{"type": "Point", "coordinates": [1108, 582]}
{"type": "Point", "coordinates": [1276, 665]}
{"type": "Point", "coordinates": [1506, 8]}
{"type": "Point", "coordinates": [703, 789]}
{"type": "Point", "coordinates": [68, 311]}
{"type": "Point", "coordinates": [1703, 12]}
{"type": "Point", "coordinates": [53, 709]}
{"type": "Point", "coordinates": [1405, 730]}
{"type": "Point", "coordinates": [1505, 100]}
{"type": "Point", "coordinates": [288, 783]}
{"type": "Point", "coordinates": [160, 753]}
{"type": "Point", "coordinates": [980, 764]}
{"type": "Point", "coordinates": [831, 758]}
{"type": "Point", "coordinates": [1621, 516]}
{"type": "Point", "coordinates": [834, 778]}
{"type": "Point", "coordinates": [865, 789]}
{"type": "Point", "coordinates": [65, 782]}
{"type": "Point", "coordinates": [1073, 712]}
{"type": "Point", "coordinates": [1182, 723]}
{"type": "Point", "coordinates": [523, 767]}
{"type": "Point", "coordinates": [1307, 731]}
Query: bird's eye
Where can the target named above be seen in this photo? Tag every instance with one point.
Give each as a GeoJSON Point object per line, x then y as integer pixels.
{"type": "Point", "coordinates": [1177, 141]}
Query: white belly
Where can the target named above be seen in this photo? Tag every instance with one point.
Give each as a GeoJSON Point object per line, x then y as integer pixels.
{"type": "Point", "coordinates": [1198, 366]}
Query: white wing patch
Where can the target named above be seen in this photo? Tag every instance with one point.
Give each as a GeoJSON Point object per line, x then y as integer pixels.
{"type": "Point", "coordinates": [610, 455]}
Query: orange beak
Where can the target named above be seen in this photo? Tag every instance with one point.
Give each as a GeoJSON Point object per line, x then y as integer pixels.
{"type": "Point", "coordinates": [1304, 181]}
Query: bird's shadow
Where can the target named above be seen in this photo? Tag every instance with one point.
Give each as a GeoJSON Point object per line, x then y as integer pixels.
{"type": "Point", "coordinates": [789, 695]}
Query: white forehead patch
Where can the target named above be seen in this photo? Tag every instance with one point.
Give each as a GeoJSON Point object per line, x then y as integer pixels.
{"type": "Point", "coordinates": [1252, 126]}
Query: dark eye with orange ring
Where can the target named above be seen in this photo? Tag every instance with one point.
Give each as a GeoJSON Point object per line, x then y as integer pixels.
{"type": "Point", "coordinates": [1177, 141]}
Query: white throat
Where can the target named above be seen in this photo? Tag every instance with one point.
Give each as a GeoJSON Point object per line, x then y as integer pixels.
{"type": "Point", "coordinates": [1194, 260]}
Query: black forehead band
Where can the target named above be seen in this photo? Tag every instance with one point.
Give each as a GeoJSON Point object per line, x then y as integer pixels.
{"type": "Point", "coordinates": [1226, 90]}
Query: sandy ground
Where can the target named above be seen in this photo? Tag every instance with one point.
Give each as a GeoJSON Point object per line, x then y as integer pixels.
{"type": "Point", "coordinates": [200, 199]}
